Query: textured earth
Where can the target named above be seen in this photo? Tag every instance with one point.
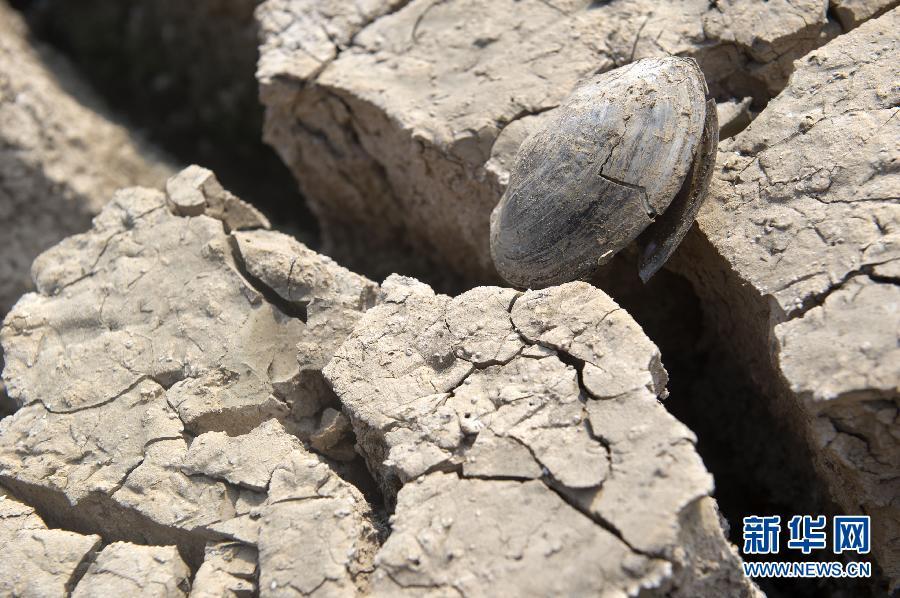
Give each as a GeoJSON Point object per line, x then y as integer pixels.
{"type": "Point", "coordinates": [404, 117]}
{"type": "Point", "coordinates": [803, 227]}
{"type": "Point", "coordinates": [60, 156]}
{"type": "Point", "coordinates": [798, 233]}
{"type": "Point", "coordinates": [496, 410]}
{"type": "Point", "coordinates": [169, 372]}
{"type": "Point", "coordinates": [195, 403]}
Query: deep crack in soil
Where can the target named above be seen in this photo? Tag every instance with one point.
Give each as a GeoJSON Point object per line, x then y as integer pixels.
{"type": "Point", "coordinates": [760, 465]}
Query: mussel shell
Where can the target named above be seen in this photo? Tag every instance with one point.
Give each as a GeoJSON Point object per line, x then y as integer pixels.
{"type": "Point", "coordinates": [606, 163]}
{"type": "Point", "coordinates": [662, 238]}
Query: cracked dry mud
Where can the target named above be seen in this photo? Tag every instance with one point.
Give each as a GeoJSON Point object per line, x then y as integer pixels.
{"type": "Point", "coordinates": [163, 401]}
{"type": "Point", "coordinates": [61, 157]}
{"type": "Point", "coordinates": [199, 398]}
{"type": "Point", "coordinates": [515, 432]}
{"type": "Point", "coordinates": [797, 255]}
{"type": "Point", "coordinates": [175, 421]}
{"type": "Point", "coordinates": [403, 116]}
{"type": "Point", "coordinates": [37, 561]}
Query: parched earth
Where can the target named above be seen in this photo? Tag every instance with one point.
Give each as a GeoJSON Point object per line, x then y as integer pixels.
{"type": "Point", "coordinates": [61, 157]}
{"type": "Point", "coordinates": [405, 119]}
{"type": "Point", "coordinates": [201, 405]}
{"type": "Point", "coordinates": [797, 253]}
{"type": "Point", "coordinates": [186, 411]}
{"type": "Point", "coordinates": [404, 116]}
{"type": "Point", "coordinates": [169, 372]}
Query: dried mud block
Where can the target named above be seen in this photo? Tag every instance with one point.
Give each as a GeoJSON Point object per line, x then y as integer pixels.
{"type": "Point", "coordinates": [481, 536]}
{"type": "Point", "coordinates": [167, 300]}
{"type": "Point", "coordinates": [797, 256]}
{"type": "Point", "coordinates": [16, 516]}
{"type": "Point", "coordinates": [61, 158]}
{"type": "Point", "coordinates": [333, 436]}
{"type": "Point", "coordinates": [164, 399]}
{"type": "Point", "coordinates": [247, 460]}
{"type": "Point", "coordinates": [123, 569]}
{"type": "Point", "coordinates": [34, 560]}
{"type": "Point", "coordinates": [852, 13]}
{"type": "Point", "coordinates": [228, 570]}
{"type": "Point", "coordinates": [401, 118]}
{"type": "Point", "coordinates": [195, 190]}
{"type": "Point", "coordinates": [521, 433]}
{"type": "Point", "coordinates": [315, 537]}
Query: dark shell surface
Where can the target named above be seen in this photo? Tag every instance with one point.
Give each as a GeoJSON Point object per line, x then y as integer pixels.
{"type": "Point", "coordinates": [607, 165]}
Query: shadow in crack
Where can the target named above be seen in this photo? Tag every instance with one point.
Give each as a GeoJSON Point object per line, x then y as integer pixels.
{"type": "Point", "coordinates": [760, 466]}
{"type": "Point", "coordinates": [183, 74]}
